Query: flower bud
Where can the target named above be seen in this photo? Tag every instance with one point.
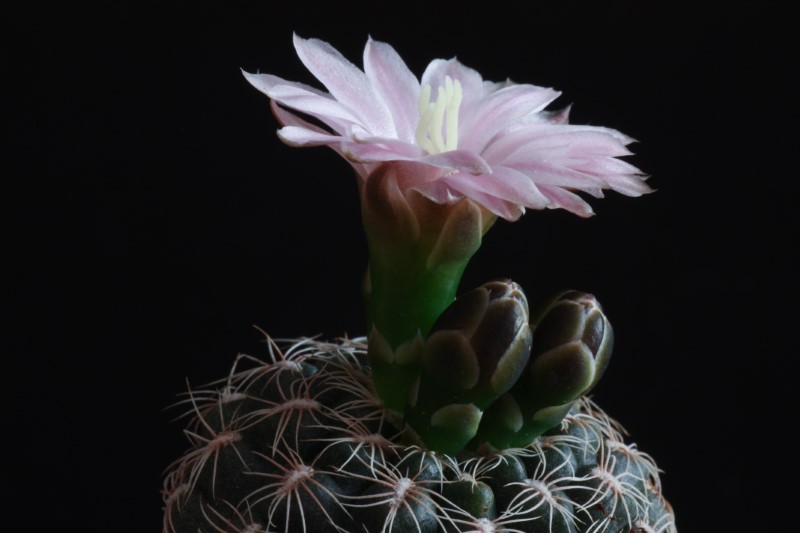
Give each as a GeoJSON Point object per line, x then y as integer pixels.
{"type": "Point", "coordinates": [572, 343]}
{"type": "Point", "coordinates": [475, 352]}
{"type": "Point", "coordinates": [480, 345]}
{"type": "Point", "coordinates": [571, 349]}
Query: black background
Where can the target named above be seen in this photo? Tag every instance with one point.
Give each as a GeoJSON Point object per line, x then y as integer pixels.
{"type": "Point", "coordinates": [155, 218]}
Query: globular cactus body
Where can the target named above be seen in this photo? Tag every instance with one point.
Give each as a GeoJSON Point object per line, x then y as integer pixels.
{"type": "Point", "coordinates": [300, 443]}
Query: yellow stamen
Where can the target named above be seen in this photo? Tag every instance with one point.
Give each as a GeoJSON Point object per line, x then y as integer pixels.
{"type": "Point", "coordinates": [437, 130]}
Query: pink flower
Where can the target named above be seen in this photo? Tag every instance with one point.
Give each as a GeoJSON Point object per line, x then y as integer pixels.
{"type": "Point", "coordinates": [451, 134]}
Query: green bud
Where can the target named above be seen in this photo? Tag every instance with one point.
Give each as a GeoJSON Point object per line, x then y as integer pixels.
{"type": "Point", "coordinates": [572, 345]}
{"type": "Point", "coordinates": [475, 352]}
{"type": "Point", "coordinates": [480, 344]}
{"type": "Point", "coordinates": [571, 349]}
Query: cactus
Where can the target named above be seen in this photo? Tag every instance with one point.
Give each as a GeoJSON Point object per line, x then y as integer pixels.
{"type": "Point", "coordinates": [458, 414]}
{"type": "Point", "coordinates": [301, 443]}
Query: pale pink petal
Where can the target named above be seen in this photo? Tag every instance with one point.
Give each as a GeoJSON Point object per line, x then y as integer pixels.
{"type": "Point", "coordinates": [500, 109]}
{"type": "Point", "coordinates": [395, 84]}
{"type": "Point", "coordinates": [265, 83]}
{"type": "Point", "coordinates": [554, 117]}
{"type": "Point", "coordinates": [557, 116]}
{"type": "Point", "coordinates": [549, 141]}
{"type": "Point", "coordinates": [435, 190]}
{"type": "Point", "coordinates": [472, 187]}
{"type": "Point", "coordinates": [620, 175]}
{"type": "Point", "coordinates": [304, 99]}
{"type": "Point", "coordinates": [325, 109]}
{"type": "Point", "coordinates": [602, 166]}
{"type": "Point", "coordinates": [462, 160]}
{"type": "Point", "coordinates": [454, 161]}
{"type": "Point", "coordinates": [630, 185]}
{"type": "Point", "coordinates": [471, 81]}
{"type": "Point", "coordinates": [457, 160]}
{"type": "Point", "coordinates": [582, 136]}
{"type": "Point", "coordinates": [498, 206]}
{"type": "Point", "coordinates": [346, 83]}
{"type": "Point", "coordinates": [412, 173]}
{"type": "Point", "coordinates": [298, 136]}
{"type": "Point", "coordinates": [513, 102]}
{"type": "Point", "coordinates": [492, 86]}
{"type": "Point", "coordinates": [377, 152]}
{"type": "Point", "coordinates": [512, 185]}
{"type": "Point", "coordinates": [567, 200]}
{"type": "Point", "coordinates": [553, 174]}
{"type": "Point", "coordinates": [589, 130]}
{"type": "Point", "coordinates": [299, 132]}
{"type": "Point", "coordinates": [409, 149]}
{"type": "Point", "coordinates": [287, 118]}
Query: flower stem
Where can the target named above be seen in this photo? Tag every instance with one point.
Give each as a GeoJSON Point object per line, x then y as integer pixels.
{"type": "Point", "coordinates": [403, 302]}
{"type": "Point", "coordinates": [418, 252]}
{"type": "Point", "coordinates": [405, 297]}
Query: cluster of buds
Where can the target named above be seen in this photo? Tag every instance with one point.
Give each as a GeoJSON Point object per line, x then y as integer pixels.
{"type": "Point", "coordinates": [490, 376]}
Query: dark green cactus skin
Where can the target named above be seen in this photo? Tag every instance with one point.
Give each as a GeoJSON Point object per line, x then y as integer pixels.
{"type": "Point", "coordinates": [302, 444]}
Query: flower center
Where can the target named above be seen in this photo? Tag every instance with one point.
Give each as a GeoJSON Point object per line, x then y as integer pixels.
{"type": "Point", "coordinates": [437, 130]}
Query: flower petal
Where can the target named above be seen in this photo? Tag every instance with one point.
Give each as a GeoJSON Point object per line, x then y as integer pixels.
{"type": "Point", "coordinates": [298, 136]}
{"type": "Point", "coordinates": [287, 118]}
{"type": "Point", "coordinates": [435, 190]}
{"type": "Point", "coordinates": [620, 175]}
{"type": "Point", "coordinates": [311, 135]}
{"type": "Point", "coordinates": [456, 160]}
{"type": "Point", "coordinates": [471, 82]}
{"type": "Point", "coordinates": [324, 108]}
{"type": "Point", "coordinates": [303, 98]}
{"type": "Point", "coordinates": [391, 150]}
{"type": "Point", "coordinates": [346, 83]}
{"type": "Point", "coordinates": [500, 109]}
{"type": "Point", "coordinates": [462, 160]}
{"type": "Point", "coordinates": [602, 166]}
{"type": "Point", "coordinates": [567, 200]}
{"type": "Point", "coordinates": [555, 140]}
{"type": "Point", "coordinates": [542, 172]}
{"type": "Point", "coordinates": [395, 84]}
{"type": "Point", "coordinates": [410, 149]}
{"type": "Point", "coordinates": [506, 184]}
{"type": "Point", "coordinates": [498, 206]}
{"type": "Point", "coordinates": [266, 82]}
